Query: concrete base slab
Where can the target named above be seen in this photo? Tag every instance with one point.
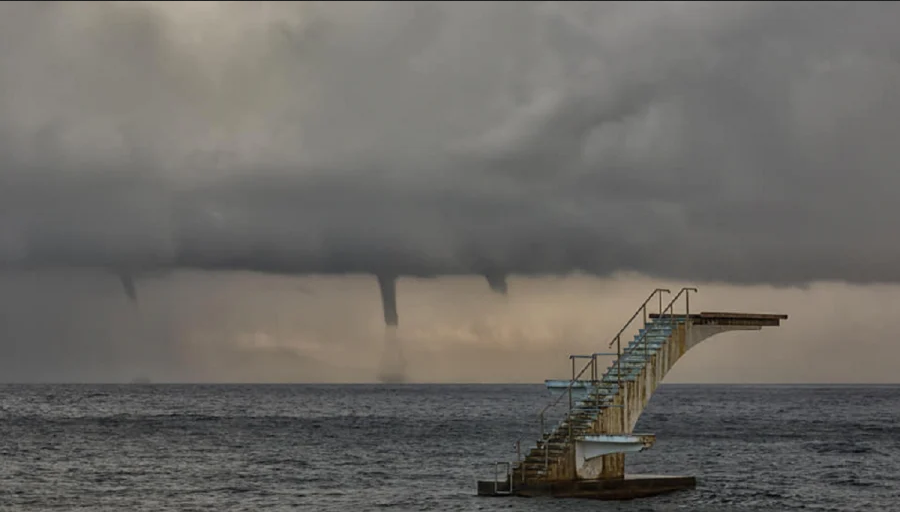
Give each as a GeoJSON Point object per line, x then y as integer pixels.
{"type": "Point", "coordinates": [627, 488]}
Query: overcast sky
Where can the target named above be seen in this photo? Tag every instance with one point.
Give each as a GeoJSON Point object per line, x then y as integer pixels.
{"type": "Point", "coordinates": [749, 145]}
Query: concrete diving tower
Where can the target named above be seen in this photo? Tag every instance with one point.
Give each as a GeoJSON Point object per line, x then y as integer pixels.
{"type": "Point", "coordinates": [583, 455]}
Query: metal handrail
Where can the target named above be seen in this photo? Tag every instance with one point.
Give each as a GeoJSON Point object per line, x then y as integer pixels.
{"type": "Point", "coordinates": [642, 307]}
{"type": "Point", "coordinates": [618, 338]}
{"type": "Point", "coordinates": [687, 303]}
{"type": "Point", "coordinates": [509, 478]}
{"type": "Point", "coordinates": [568, 389]}
{"type": "Point", "coordinates": [670, 306]}
{"type": "Point", "coordinates": [592, 362]}
{"type": "Point", "coordinates": [593, 357]}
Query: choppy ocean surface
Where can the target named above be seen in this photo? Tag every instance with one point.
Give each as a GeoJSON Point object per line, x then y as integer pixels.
{"type": "Point", "coordinates": [421, 447]}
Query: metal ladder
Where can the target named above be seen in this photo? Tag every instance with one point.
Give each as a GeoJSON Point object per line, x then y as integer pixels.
{"type": "Point", "coordinates": [506, 486]}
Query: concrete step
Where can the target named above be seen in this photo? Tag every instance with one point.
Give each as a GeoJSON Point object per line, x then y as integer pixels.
{"type": "Point", "coordinates": [630, 361]}
{"type": "Point", "coordinates": [576, 427]}
{"type": "Point", "coordinates": [557, 445]}
{"type": "Point", "coordinates": [627, 363]}
{"type": "Point", "coordinates": [601, 408]}
{"type": "Point", "coordinates": [539, 461]}
{"type": "Point", "coordinates": [597, 405]}
{"type": "Point", "coordinates": [594, 405]}
{"type": "Point", "coordinates": [614, 372]}
{"type": "Point", "coordinates": [593, 411]}
{"type": "Point", "coordinates": [626, 370]}
{"type": "Point", "coordinates": [649, 341]}
{"type": "Point", "coordinates": [539, 452]}
{"type": "Point", "coordinates": [649, 345]}
{"type": "Point", "coordinates": [639, 353]}
{"type": "Point", "coordinates": [656, 330]}
{"type": "Point", "coordinates": [539, 458]}
{"type": "Point", "coordinates": [583, 387]}
{"type": "Point", "coordinates": [599, 402]}
{"type": "Point", "coordinates": [634, 359]}
{"type": "Point", "coordinates": [580, 418]}
{"type": "Point", "coordinates": [593, 408]}
{"type": "Point", "coordinates": [652, 336]}
{"type": "Point", "coordinates": [564, 437]}
{"type": "Point", "coordinates": [558, 437]}
{"type": "Point", "coordinates": [614, 378]}
{"type": "Point", "coordinates": [626, 366]}
{"type": "Point", "coordinates": [583, 396]}
{"type": "Point", "coordinates": [564, 433]}
{"type": "Point", "coordinates": [554, 442]}
{"type": "Point", "coordinates": [604, 395]}
{"type": "Point", "coordinates": [583, 417]}
{"type": "Point", "coordinates": [607, 391]}
{"type": "Point", "coordinates": [659, 322]}
{"type": "Point", "coordinates": [595, 402]}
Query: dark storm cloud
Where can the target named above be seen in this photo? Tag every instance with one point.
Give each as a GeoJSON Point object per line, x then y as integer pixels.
{"type": "Point", "coordinates": [744, 142]}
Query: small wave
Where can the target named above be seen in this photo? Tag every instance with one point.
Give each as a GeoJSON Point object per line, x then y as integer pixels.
{"type": "Point", "coordinates": [839, 447]}
{"type": "Point", "coordinates": [846, 480]}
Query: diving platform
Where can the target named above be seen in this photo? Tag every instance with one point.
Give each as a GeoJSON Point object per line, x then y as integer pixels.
{"type": "Point", "coordinates": [582, 455]}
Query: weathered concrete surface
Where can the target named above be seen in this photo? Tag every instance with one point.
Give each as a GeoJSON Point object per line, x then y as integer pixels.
{"type": "Point", "coordinates": [624, 488]}
{"type": "Point", "coordinates": [590, 451]}
{"type": "Point", "coordinates": [555, 460]}
{"type": "Point", "coordinates": [690, 331]}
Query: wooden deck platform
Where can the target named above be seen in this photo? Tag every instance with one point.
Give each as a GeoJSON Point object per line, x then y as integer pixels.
{"type": "Point", "coordinates": [723, 318]}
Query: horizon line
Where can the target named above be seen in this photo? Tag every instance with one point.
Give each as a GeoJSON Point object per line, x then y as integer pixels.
{"type": "Point", "coordinates": [388, 384]}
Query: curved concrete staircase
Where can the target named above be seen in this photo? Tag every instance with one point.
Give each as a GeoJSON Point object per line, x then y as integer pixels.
{"type": "Point", "coordinates": [589, 443]}
{"type": "Point", "coordinates": [600, 408]}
